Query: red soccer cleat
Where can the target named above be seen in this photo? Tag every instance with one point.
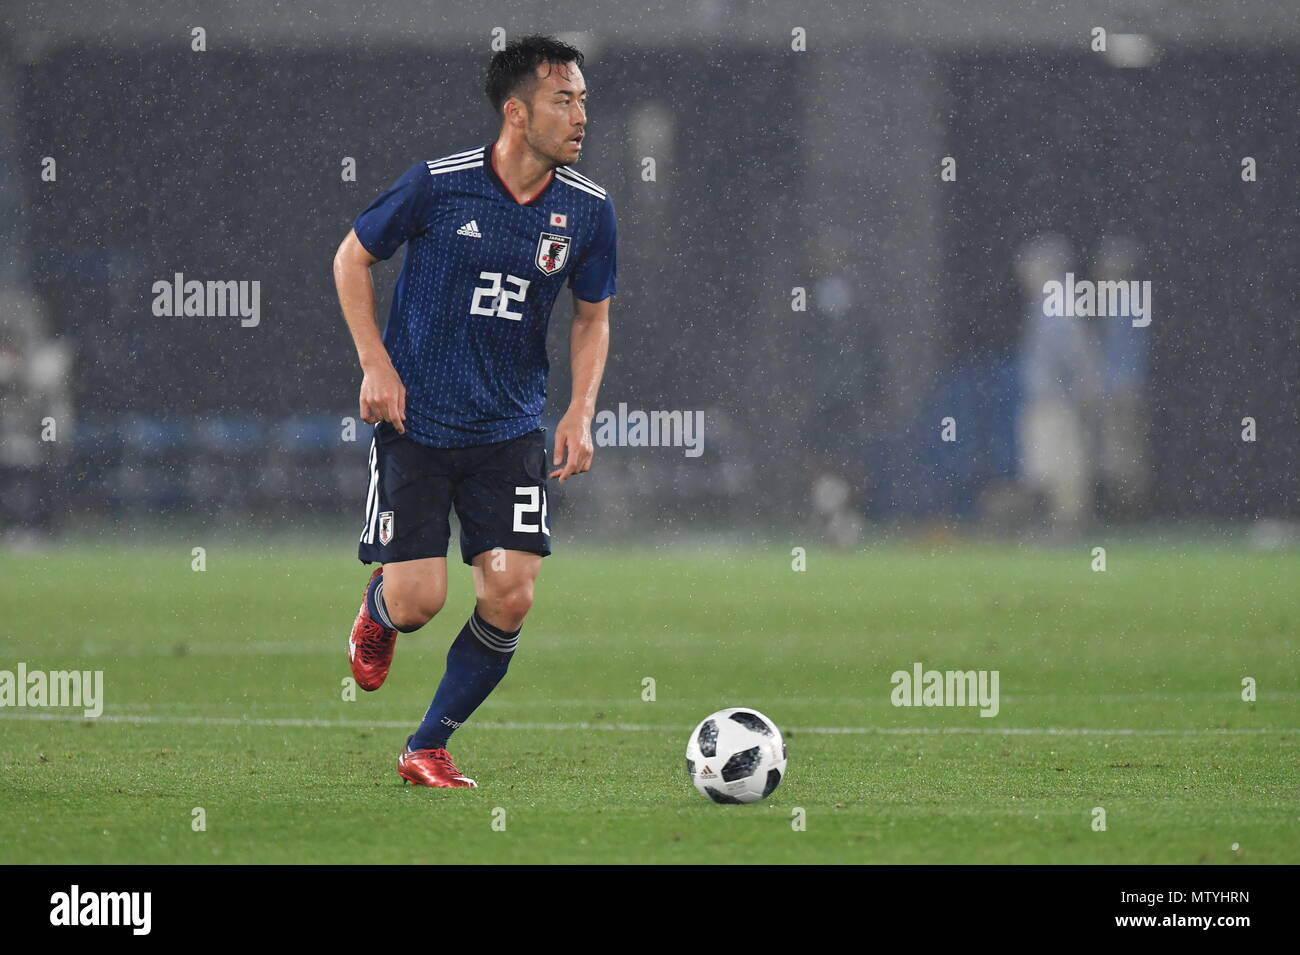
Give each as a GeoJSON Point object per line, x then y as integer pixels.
{"type": "Point", "coordinates": [431, 767]}
{"type": "Point", "coordinates": [370, 648]}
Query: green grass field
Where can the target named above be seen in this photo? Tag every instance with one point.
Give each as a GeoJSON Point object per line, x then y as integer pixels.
{"type": "Point", "coordinates": [1119, 690]}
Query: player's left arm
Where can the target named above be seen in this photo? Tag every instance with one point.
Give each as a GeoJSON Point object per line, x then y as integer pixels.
{"type": "Point", "coordinates": [588, 348]}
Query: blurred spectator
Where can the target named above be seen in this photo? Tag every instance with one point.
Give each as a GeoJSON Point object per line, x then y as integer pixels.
{"type": "Point", "coordinates": [33, 399]}
{"type": "Point", "coordinates": [836, 517]}
{"type": "Point", "coordinates": [1125, 469]}
{"type": "Point", "coordinates": [1060, 372]}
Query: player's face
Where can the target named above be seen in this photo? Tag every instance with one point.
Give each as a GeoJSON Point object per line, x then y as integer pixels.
{"type": "Point", "coordinates": [557, 121]}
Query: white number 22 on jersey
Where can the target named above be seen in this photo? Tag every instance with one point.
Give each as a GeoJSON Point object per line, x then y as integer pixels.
{"type": "Point", "coordinates": [498, 298]}
{"type": "Point", "coordinates": [534, 501]}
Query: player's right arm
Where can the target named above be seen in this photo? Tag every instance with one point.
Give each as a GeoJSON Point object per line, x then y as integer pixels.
{"type": "Point", "coordinates": [383, 396]}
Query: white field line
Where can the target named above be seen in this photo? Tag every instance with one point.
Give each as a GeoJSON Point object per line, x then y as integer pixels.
{"type": "Point", "coordinates": [642, 727]}
{"type": "Point", "coordinates": [858, 704]}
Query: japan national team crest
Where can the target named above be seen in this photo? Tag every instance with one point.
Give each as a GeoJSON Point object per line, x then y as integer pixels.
{"type": "Point", "coordinates": [385, 527]}
{"type": "Point", "coordinates": [552, 252]}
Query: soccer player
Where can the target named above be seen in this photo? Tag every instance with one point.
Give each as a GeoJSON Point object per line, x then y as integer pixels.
{"type": "Point", "coordinates": [455, 387]}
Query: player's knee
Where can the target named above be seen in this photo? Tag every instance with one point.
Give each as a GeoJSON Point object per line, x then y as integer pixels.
{"type": "Point", "coordinates": [431, 605]}
{"type": "Point", "coordinates": [412, 611]}
{"type": "Point", "coordinates": [511, 604]}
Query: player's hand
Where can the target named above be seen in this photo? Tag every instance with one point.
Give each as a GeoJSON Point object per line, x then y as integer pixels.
{"type": "Point", "coordinates": [383, 397]}
{"type": "Point", "coordinates": [573, 445]}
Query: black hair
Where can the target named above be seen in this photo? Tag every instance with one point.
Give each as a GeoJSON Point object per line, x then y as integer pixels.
{"type": "Point", "coordinates": [515, 67]}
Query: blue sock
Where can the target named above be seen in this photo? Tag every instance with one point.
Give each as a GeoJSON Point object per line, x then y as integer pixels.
{"type": "Point", "coordinates": [476, 662]}
{"type": "Point", "coordinates": [378, 609]}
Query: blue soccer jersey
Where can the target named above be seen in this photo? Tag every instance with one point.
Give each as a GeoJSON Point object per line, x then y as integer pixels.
{"type": "Point", "coordinates": [467, 331]}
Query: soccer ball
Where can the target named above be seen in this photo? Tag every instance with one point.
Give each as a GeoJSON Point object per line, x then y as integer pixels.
{"type": "Point", "coordinates": [736, 755]}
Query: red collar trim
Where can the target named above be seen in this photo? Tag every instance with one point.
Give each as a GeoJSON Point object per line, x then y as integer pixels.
{"type": "Point", "coordinates": [493, 164]}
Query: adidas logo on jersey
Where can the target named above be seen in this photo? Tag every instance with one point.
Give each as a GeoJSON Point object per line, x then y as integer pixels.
{"type": "Point", "coordinates": [470, 229]}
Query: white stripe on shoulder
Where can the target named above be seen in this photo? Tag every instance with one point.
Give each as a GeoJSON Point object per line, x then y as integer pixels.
{"type": "Point", "coordinates": [466, 160]}
{"type": "Point", "coordinates": [581, 178]}
{"type": "Point", "coordinates": [439, 170]}
{"type": "Point", "coordinates": [597, 191]}
{"type": "Point", "coordinates": [476, 151]}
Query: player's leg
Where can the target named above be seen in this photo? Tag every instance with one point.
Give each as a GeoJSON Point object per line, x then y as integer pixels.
{"type": "Point", "coordinates": [503, 586]}
{"type": "Point", "coordinates": [480, 655]}
{"type": "Point", "coordinates": [414, 591]}
{"type": "Point", "coordinates": [504, 535]}
{"type": "Point", "coordinates": [406, 531]}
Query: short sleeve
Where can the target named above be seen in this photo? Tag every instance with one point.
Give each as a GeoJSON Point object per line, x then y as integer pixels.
{"type": "Point", "coordinates": [596, 277]}
{"type": "Point", "coordinates": [399, 214]}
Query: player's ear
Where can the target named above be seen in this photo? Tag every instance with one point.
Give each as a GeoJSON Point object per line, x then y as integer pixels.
{"type": "Point", "coordinates": [515, 108]}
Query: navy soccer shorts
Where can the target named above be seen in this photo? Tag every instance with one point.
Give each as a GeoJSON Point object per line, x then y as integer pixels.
{"type": "Point", "coordinates": [498, 490]}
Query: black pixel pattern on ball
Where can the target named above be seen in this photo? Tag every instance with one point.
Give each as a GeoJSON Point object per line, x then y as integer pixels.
{"type": "Point", "coordinates": [741, 765]}
{"type": "Point", "coordinates": [752, 721]}
{"type": "Point", "coordinates": [690, 767]}
{"type": "Point", "coordinates": [721, 797]}
{"type": "Point", "coordinates": [773, 780]}
{"type": "Point", "coordinates": [709, 738]}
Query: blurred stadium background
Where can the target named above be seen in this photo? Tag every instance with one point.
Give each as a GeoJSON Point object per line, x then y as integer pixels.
{"type": "Point", "coordinates": [775, 170]}
{"type": "Point", "coordinates": [781, 178]}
